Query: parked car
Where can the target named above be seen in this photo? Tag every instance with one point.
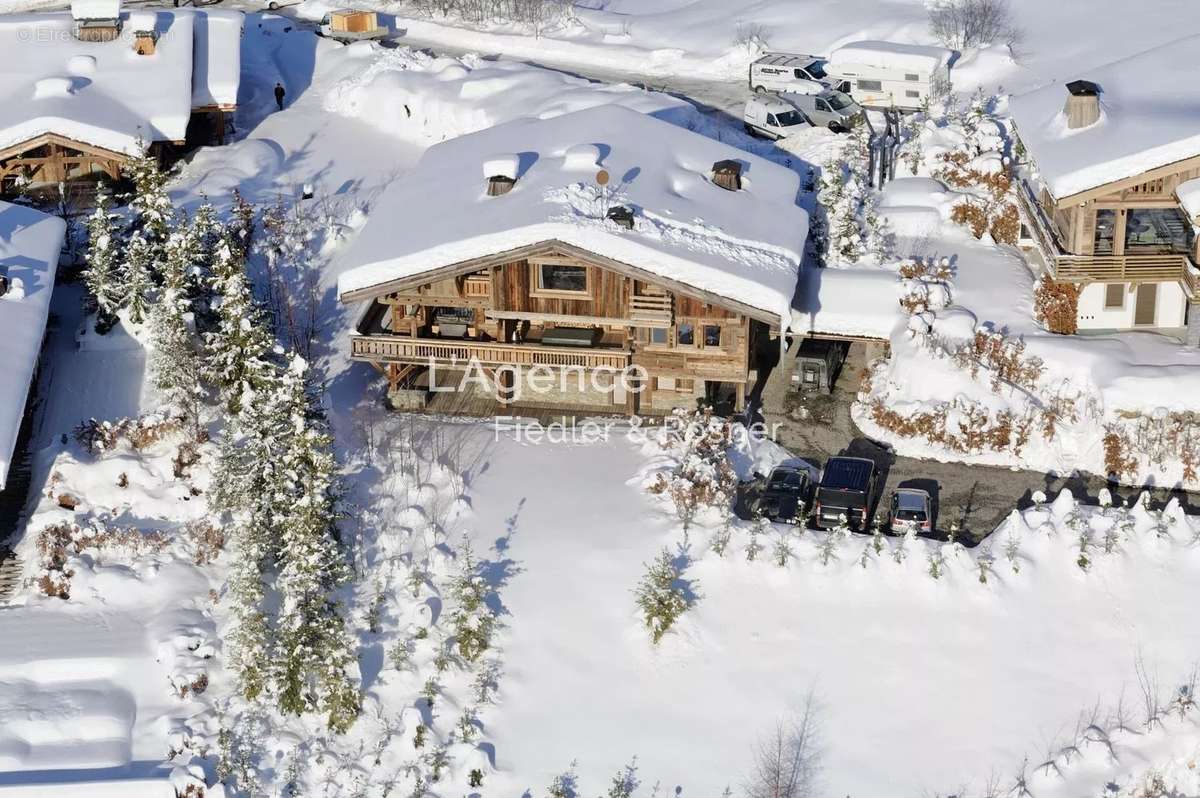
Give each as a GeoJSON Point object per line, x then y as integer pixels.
{"type": "Point", "coordinates": [912, 510]}
{"type": "Point", "coordinates": [771, 117]}
{"type": "Point", "coordinates": [830, 108]}
{"type": "Point", "coordinates": [818, 362]}
{"type": "Point", "coordinates": [847, 489]}
{"type": "Point", "coordinates": [787, 72]}
{"type": "Point", "coordinates": [786, 495]}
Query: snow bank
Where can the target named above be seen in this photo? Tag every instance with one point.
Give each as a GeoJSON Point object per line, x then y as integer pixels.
{"type": "Point", "coordinates": [857, 302]}
{"type": "Point", "coordinates": [29, 246]}
{"type": "Point", "coordinates": [1150, 117]}
{"type": "Point", "coordinates": [744, 245]}
{"type": "Point", "coordinates": [217, 58]}
{"type": "Point", "coordinates": [415, 96]}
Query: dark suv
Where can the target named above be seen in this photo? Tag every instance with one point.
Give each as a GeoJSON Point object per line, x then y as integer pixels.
{"type": "Point", "coordinates": [847, 488]}
{"type": "Point", "coordinates": [785, 496]}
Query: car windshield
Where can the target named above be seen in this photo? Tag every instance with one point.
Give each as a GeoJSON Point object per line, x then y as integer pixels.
{"type": "Point", "coordinates": [789, 118]}
{"type": "Point", "coordinates": [816, 69]}
{"type": "Point", "coordinates": [786, 479]}
{"type": "Point", "coordinates": [838, 101]}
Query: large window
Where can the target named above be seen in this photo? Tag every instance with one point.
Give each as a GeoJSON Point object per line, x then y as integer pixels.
{"type": "Point", "coordinates": [562, 279]}
{"type": "Point", "coordinates": [1106, 227]}
{"type": "Point", "coordinates": [1114, 296]}
{"type": "Point", "coordinates": [870, 85]}
{"type": "Point", "coordinates": [1157, 230]}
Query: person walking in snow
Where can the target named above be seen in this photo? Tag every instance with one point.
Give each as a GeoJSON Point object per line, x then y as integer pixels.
{"type": "Point", "coordinates": [279, 93]}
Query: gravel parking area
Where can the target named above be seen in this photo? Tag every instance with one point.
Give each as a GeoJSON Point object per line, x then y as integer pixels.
{"type": "Point", "coordinates": [976, 498]}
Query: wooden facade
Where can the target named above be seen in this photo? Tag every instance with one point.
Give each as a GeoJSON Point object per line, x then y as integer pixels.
{"type": "Point", "coordinates": [1130, 231]}
{"type": "Point", "coordinates": [554, 306]}
{"type": "Point", "coordinates": [50, 159]}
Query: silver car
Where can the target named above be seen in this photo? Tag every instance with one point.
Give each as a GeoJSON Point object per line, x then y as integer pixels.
{"type": "Point", "coordinates": [912, 510]}
{"type": "Point", "coordinates": [830, 108]}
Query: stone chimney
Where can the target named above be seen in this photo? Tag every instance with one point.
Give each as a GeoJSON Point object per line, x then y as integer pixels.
{"type": "Point", "coordinates": [500, 171]}
{"type": "Point", "coordinates": [1083, 104]}
{"type": "Point", "coordinates": [96, 20]}
{"type": "Point", "coordinates": [727, 175]}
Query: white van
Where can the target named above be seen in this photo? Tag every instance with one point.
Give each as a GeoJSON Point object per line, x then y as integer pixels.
{"type": "Point", "coordinates": [889, 75]}
{"type": "Point", "coordinates": [791, 72]}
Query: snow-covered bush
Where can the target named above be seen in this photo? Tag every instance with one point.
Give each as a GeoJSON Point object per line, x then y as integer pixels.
{"type": "Point", "coordinates": [471, 618]}
{"type": "Point", "coordinates": [662, 596]}
{"type": "Point", "coordinates": [98, 437]}
{"type": "Point", "coordinates": [703, 477]}
{"type": "Point", "coordinates": [850, 228]}
{"type": "Point", "coordinates": [1056, 306]}
{"type": "Point", "coordinates": [58, 543]}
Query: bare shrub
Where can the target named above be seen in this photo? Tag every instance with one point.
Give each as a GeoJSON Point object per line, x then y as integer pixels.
{"type": "Point", "coordinates": [140, 433]}
{"type": "Point", "coordinates": [787, 761]}
{"type": "Point", "coordinates": [1116, 457]}
{"type": "Point", "coordinates": [961, 24]}
{"type": "Point", "coordinates": [57, 543]}
{"type": "Point", "coordinates": [208, 540]}
{"type": "Point", "coordinates": [1056, 306]}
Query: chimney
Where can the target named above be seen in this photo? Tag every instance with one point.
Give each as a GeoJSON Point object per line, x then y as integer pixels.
{"type": "Point", "coordinates": [727, 175]}
{"type": "Point", "coordinates": [96, 20]}
{"type": "Point", "coordinates": [501, 171]}
{"type": "Point", "coordinates": [1083, 104]}
{"type": "Point", "coordinates": [499, 185]}
{"type": "Point", "coordinates": [622, 215]}
{"type": "Point", "coordinates": [144, 42]}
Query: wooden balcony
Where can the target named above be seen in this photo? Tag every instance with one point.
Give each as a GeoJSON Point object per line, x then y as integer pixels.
{"type": "Point", "coordinates": [460, 353]}
{"type": "Point", "coordinates": [1127, 268]}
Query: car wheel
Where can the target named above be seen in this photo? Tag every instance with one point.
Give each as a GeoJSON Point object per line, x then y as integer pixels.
{"type": "Point", "coordinates": [272, 6]}
{"type": "Point", "coordinates": [760, 89]}
{"type": "Point", "coordinates": [834, 127]}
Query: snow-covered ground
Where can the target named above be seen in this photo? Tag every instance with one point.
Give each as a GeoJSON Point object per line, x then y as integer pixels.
{"type": "Point", "coordinates": [919, 683]}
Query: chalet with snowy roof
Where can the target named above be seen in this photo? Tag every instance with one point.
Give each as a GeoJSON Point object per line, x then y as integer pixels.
{"type": "Point", "coordinates": [30, 242]}
{"type": "Point", "coordinates": [1111, 167]}
{"type": "Point", "coordinates": [83, 91]}
{"type": "Point", "coordinates": [600, 243]}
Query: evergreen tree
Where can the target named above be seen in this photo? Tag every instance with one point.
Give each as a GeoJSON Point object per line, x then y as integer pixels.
{"type": "Point", "coordinates": [175, 362]}
{"type": "Point", "coordinates": [137, 273]}
{"type": "Point", "coordinates": [315, 651]}
{"type": "Point", "coordinates": [153, 209]}
{"type": "Point", "coordinates": [102, 277]}
{"type": "Point", "coordinates": [239, 348]}
{"type": "Point", "coordinates": [471, 617]}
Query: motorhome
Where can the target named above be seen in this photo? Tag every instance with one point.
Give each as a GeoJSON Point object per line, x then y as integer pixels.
{"type": "Point", "coordinates": [793, 72]}
{"type": "Point", "coordinates": [888, 75]}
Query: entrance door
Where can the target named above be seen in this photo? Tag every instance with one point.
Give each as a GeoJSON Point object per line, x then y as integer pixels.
{"type": "Point", "coordinates": [1146, 305]}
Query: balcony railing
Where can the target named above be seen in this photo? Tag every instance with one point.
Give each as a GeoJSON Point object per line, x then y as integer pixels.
{"type": "Point", "coordinates": [425, 351]}
{"type": "Point", "coordinates": [1104, 268]}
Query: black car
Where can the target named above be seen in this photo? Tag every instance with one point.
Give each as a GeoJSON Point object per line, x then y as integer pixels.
{"type": "Point", "coordinates": [785, 496]}
{"type": "Point", "coordinates": [847, 489]}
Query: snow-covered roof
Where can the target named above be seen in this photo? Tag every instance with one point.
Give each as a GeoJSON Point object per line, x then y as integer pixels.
{"type": "Point", "coordinates": [95, 9]}
{"type": "Point", "coordinates": [1188, 193]}
{"type": "Point", "coordinates": [105, 94]}
{"type": "Point", "coordinates": [29, 245]}
{"type": "Point", "coordinates": [744, 245]}
{"type": "Point", "coordinates": [891, 55]}
{"type": "Point", "coordinates": [856, 302]}
{"type": "Point", "coordinates": [1149, 117]}
{"type": "Point", "coordinates": [217, 61]}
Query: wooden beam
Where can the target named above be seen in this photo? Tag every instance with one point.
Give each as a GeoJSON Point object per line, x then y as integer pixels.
{"type": "Point", "coordinates": [552, 248]}
{"type": "Point", "coordinates": [1120, 185]}
{"type": "Point", "coordinates": [561, 318]}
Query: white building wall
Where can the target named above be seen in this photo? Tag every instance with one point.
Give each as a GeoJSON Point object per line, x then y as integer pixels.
{"type": "Point", "coordinates": [1170, 312]}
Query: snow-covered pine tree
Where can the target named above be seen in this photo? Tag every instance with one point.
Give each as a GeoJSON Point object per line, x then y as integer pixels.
{"type": "Point", "coordinates": [154, 212]}
{"type": "Point", "coordinates": [315, 651]}
{"type": "Point", "coordinates": [103, 276]}
{"type": "Point", "coordinates": [471, 618]}
{"type": "Point", "coordinates": [175, 363]}
{"type": "Point", "coordinates": [238, 350]}
{"type": "Point", "coordinates": [137, 276]}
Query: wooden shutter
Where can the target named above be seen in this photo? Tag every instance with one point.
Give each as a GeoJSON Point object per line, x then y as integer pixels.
{"type": "Point", "coordinates": [1147, 304]}
{"type": "Point", "coordinates": [1114, 296]}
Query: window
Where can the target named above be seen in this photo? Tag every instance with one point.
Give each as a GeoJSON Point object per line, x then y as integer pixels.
{"type": "Point", "coordinates": [1156, 230]}
{"type": "Point", "coordinates": [912, 76]}
{"type": "Point", "coordinates": [817, 70]}
{"type": "Point", "coordinates": [712, 335]}
{"type": "Point", "coordinates": [1106, 227]}
{"type": "Point", "coordinates": [789, 118]}
{"type": "Point", "coordinates": [772, 121]}
{"type": "Point", "coordinates": [838, 100]}
{"type": "Point", "coordinates": [676, 384]}
{"type": "Point", "coordinates": [561, 278]}
{"type": "Point", "coordinates": [822, 106]}
{"type": "Point", "coordinates": [1114, 296]}
{"type": "Point", "coordinates": [911, 93]}
{"type": "Point", "coordinates": [685, 334]}
{"type": "Point", "coordinates": [870, 85]}
{"type": "Point", "coordinates": [658, 335]}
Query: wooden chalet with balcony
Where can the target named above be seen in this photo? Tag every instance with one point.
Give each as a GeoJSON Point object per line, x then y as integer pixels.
{"type": "Point", "coordinates": [600, 314]}
{"type": "Point", "coordinates": [1099, 199]}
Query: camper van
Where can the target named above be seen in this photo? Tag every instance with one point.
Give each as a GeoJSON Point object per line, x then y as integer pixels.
{"type": "Point", "coordinates": [801, 74]}
{"type": "Point", "coordinates": [889, 75]}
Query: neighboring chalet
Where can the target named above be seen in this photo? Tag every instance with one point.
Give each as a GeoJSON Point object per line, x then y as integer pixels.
{"type": "Point", "coordinates": [1109, 161]}
{"type": "Point", "coordinates": [83, 91]}
{"type": "Point", "coordinates": [30, 242]}
{"type": "Point", "coordinates": [600, 243]}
